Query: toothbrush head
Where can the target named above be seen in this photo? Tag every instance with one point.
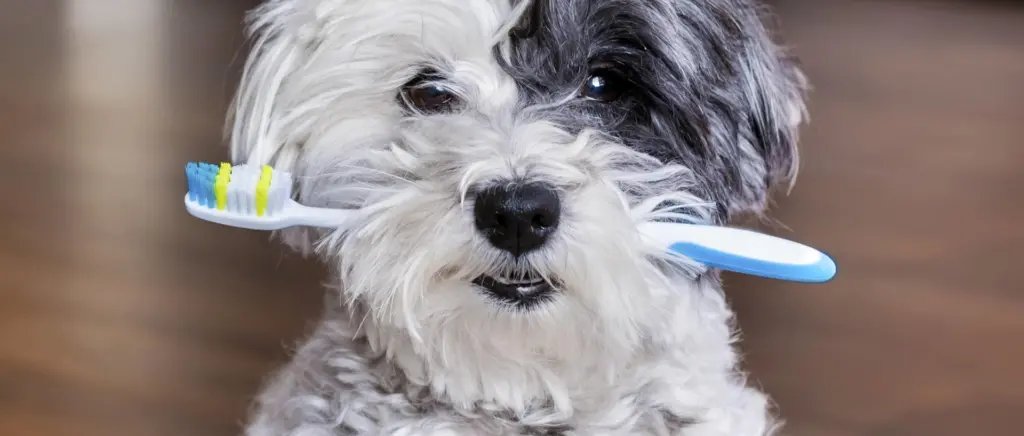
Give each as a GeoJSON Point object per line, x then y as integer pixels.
{"type": "Point", "coordinates": [240, 189]}
{"type": "Point", "coordinates": [247, 196]}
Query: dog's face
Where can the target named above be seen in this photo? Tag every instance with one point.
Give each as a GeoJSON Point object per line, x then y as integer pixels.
{"type": "Point", "coordinates": [501, 155]}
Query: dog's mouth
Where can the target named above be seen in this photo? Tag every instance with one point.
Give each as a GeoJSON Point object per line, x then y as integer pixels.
{"type": "Point", "coordinates": [521, 293]}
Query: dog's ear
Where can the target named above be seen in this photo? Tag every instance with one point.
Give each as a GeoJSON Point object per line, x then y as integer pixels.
{"type": "Point", "coordinates": [255, 127]}
{"type": "Point", "coordinates": [755, 109]}
{"type": "Point", "coordinates": [733, 103]}
{"type": "Point", "coordinates": [775, 91]}
{"type": "Point", "coordinates": [772, 89]}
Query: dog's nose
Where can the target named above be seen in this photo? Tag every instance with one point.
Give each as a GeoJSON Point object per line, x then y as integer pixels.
{"type": "Point", "coordinates": [517, 218]}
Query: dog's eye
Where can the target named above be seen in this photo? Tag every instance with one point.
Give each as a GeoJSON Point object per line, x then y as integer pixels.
{"type": "Point", "coordinates": [604, 85]}
{"type": "Point", "coordinates": [424, 94]}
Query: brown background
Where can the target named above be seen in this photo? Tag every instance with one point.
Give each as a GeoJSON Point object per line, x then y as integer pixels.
{"type": "Point", "coordinates": [121, 315]}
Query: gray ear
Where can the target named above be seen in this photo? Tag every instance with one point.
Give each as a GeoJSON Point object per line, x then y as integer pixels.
{"type": "Point", "coordinates": [776, 94]}
{"type": "Point", "coordinates": [772, 91]}
{"type": "Point", "coordinates": [742, 123]}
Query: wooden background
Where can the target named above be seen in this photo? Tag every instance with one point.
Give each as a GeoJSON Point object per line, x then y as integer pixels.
{"type": "Point", "coordinates": [121, 315]}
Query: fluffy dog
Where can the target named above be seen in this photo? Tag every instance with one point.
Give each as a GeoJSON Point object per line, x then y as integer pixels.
{"type": "Point", "coordinates": [501, 154]}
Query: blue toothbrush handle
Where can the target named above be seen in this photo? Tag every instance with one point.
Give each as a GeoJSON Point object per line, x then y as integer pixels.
{"type": "Point", "coordinates": [823, 270]}
{"type": "Point", "coordinates": [743, 251]}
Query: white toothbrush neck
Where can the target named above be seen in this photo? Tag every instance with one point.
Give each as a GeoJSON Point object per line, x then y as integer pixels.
{"type": "Point", "coordinates": [300, 215]}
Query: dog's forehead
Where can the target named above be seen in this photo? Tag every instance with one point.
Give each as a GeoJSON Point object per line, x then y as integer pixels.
{"type": "Point", "coordinates": [548, 40]}
{"type": "Point", "coordinates": [448, 29]}
{"type": "Point", "coordinates": [469, 30]}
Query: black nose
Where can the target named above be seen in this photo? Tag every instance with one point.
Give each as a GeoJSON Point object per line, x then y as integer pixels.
{"type": "Point", "coordinates": [517, 218]}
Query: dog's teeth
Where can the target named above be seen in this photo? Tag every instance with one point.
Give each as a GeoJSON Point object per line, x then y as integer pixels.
{"type": "Point", "coordinates": [518, 283]}
{"type": "Point", "coordinates": [523, 282]}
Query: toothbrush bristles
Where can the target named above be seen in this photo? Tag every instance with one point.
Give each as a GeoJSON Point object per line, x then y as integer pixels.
{"type": "Point", "coordinates": [240, 189]}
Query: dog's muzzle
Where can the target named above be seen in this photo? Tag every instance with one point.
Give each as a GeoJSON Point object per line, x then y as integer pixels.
{"type": "Point", "coordinates": [517, 218]}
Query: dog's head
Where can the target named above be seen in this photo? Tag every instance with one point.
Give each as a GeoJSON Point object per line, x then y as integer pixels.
{"type": "Point", "coordinates": [502, 153]}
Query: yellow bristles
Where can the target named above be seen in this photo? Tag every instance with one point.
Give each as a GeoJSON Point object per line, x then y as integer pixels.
{"type": "Point", "coordinates": [262, 188]}
{"type": "Point", "coordinates": [220, 187]}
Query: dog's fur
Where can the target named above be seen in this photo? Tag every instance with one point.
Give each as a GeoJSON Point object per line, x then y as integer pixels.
{"type": "Point", "coordinates": [634, 342]}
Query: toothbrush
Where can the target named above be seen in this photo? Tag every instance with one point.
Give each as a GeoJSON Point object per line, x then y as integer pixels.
{"type": "Point", "coordinates": [259, 198]}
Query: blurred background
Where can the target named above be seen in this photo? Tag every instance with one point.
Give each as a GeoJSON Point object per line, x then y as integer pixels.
{"type": "Point", "coordinates": [122, 315]}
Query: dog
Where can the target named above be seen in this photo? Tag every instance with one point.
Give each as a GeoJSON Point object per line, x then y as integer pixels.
{"type": "Point", "coordinates": [499, 155]}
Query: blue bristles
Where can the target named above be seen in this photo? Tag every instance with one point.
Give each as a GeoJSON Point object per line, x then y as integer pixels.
{"type": "Point", "coordinates": [191, 179]}
{"type": "Point", "coordinates": [201, 177]}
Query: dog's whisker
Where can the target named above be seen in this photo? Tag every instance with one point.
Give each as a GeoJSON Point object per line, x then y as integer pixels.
{"type": "Point", "coordinates": [346, 172]}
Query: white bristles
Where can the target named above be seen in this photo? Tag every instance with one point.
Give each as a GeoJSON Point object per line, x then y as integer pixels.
{"type": "Point", "coordinates": [242, 190]}
{"type": "Point", "coordinates": [280, 191]}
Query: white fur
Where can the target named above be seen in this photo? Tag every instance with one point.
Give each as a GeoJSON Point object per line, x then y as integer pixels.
{"type": "Point", "coordinates": [633, 343]}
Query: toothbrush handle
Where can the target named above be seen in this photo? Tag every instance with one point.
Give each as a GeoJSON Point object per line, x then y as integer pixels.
{"type": "Point", "coordinates": [744, 251]}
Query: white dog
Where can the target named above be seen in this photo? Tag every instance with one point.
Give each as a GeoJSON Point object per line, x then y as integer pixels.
{"type": "Point", "coordinates": [501, 154]}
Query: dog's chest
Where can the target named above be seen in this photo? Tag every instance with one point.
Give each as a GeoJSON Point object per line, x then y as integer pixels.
{"type": "Point", "coordinates": [413, 411]}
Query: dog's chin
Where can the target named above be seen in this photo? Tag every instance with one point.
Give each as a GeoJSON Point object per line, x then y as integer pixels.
{"type": "Point", "coordinates": [525, 293]}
